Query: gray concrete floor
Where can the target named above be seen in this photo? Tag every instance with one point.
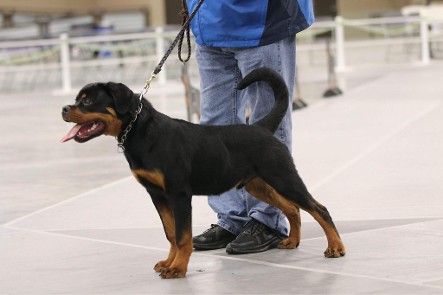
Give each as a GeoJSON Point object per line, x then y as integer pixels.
{"type": "Point", "coordinates": [73, 221]}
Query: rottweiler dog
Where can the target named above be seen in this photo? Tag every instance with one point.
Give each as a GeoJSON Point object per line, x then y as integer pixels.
{"type": "Point", "coordinates": [174, 160]}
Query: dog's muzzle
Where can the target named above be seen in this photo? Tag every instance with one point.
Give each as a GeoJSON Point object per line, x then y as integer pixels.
{"type": "Point", "coordinates": [65, 112]}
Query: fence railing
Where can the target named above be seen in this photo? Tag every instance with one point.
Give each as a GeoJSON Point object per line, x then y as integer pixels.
{"type": "Point", "coordinates": [69, 62]}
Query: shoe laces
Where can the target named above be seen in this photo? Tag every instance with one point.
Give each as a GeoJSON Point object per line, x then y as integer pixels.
{"type": "Point", "coordinates": [212, 228]}
{"type": "Point", "coordinates": [253, 226]}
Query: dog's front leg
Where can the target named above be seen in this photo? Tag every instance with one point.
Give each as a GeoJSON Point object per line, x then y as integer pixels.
{"type": "Point", "coordinates": [164, 209]}
{"type": "Point", "coordinates": [181, 206]}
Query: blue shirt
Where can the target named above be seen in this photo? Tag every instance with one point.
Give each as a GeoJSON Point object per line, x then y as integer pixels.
{"type": "Point", "coordinates": [249, 23]}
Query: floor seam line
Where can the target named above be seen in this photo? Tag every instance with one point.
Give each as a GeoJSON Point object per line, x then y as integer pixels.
{"type": "Point", "coordinates": [264, 263]}
{"type": "Point", "coordinates": [378, 143]}
{"type": "Point", "coordinates": [64, 201]}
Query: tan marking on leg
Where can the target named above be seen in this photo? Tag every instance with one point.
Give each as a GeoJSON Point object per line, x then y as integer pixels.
{"type": "Point", "coordinates": [179, 266]}
{"type": "Point", "coordinates": [155, 177]}
{"type": "Point", "coordinates": [169, 228]}
{"type": "Point", "coordinates": [295, 223]}
{"type": "Point", "coordinates": [336, 248]}
{"type": "Point", "coordinates": [263, 191]}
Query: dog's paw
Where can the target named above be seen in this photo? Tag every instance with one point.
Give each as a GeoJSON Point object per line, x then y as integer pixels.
{"type": "Point", "coordinates": [172, 273]}
{"type": "Point", "coordinates": [335, 251]}
{"type": "Point", "coordinates": [161, 265]}
{"type": "Point", "coordinates": [288, 244]}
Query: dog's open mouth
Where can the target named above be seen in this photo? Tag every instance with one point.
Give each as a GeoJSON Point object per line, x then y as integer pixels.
{"type": "Point", "coordinates": [85, 131]}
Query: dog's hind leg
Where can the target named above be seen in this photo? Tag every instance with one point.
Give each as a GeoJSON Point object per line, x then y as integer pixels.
{"type": "Point", "coordinates": [336, 248]}
{"type": "Point", "coordinates": [294, 235]}
{"type": "Point", "coordinates": [296, 192]}
{"type": "Point", "coordinates": [263, 191]}
{"type": "Point", "coordinates": [289, 197]}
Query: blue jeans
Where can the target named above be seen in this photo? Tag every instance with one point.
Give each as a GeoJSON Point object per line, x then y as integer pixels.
{"type": "Point", "coordinates": [221, 69]}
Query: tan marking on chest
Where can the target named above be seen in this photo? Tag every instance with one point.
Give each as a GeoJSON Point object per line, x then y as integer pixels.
{"type": "Point", "coordinates": [155, 177]}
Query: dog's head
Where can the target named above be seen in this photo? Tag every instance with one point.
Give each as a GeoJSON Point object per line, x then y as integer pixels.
{"type": "Point", "coordinates": [100, 108]}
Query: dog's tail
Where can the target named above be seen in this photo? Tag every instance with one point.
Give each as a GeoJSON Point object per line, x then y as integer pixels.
{"type": "Point", "coordinates": [278, 85]}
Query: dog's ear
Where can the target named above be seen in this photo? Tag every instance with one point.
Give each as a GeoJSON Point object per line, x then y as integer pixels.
{"type": "Point", "coordinates": [122, 96]}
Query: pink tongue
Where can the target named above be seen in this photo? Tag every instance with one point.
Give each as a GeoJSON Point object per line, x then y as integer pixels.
{"type": "Point", "coordinates": [71, 133]}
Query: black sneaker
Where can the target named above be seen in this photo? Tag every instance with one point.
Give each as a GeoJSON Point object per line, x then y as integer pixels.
{"type": "Point", "coordinates": [255, 237]}
{"type": "Point", "coordinates": [214, 238]}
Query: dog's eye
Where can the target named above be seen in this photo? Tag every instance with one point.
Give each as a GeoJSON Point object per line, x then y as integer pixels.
{"type": "Point", "coordinates": [86, 102]}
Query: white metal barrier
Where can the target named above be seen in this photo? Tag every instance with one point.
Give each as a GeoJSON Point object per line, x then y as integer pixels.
{"type": "Point", "coordinates": [378, 26]}
{"type": "Point", "coordinates": [69, 62]}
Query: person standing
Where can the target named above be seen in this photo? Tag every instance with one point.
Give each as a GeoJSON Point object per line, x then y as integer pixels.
{"type": "Point", "coordinates": [233, 38]}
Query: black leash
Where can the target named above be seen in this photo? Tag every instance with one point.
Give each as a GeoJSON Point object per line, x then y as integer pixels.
{"type": "Point", "coordinates": [185, 16]}
{"type": "Point", "coordinates": [179, 39]}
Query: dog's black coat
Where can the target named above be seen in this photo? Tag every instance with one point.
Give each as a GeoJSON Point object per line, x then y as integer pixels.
{"type": "Point", "coordinates": [174, 160]}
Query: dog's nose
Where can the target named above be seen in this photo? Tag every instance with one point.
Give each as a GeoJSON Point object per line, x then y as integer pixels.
{"type": "Point", "coordinates": [65, 112]}
{"type": "Point", "coordinates": [66, 109]}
